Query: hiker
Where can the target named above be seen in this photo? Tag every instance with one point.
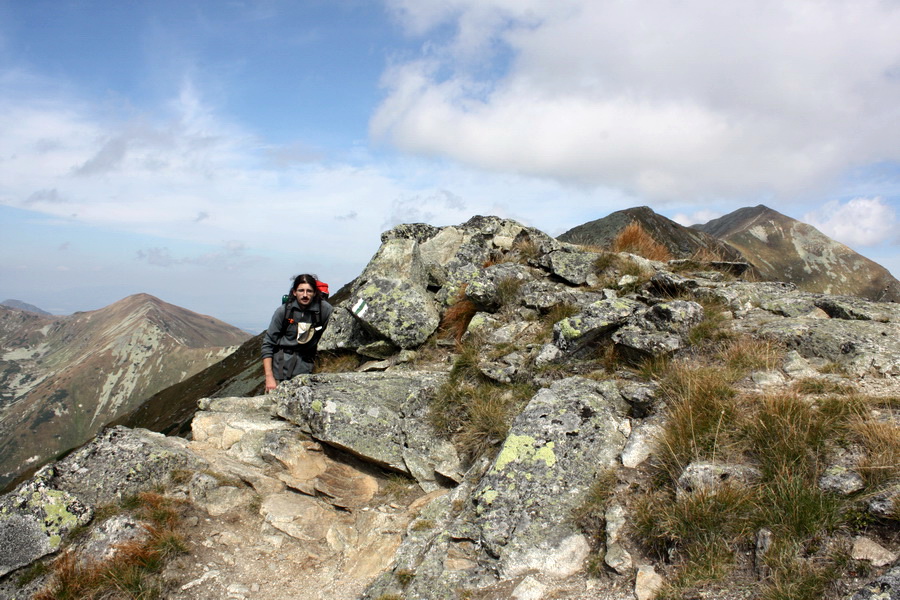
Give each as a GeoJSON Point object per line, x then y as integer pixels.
{"type": "Point", "coordinates": [290, 344]}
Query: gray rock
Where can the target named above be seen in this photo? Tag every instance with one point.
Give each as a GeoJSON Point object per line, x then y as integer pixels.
{"type": "Point", "coordinates": [838, 479]}
{"type": "Point", "coordinates": [344, 332]}
{"type": "Point", "coordinates": [575, 334]}
{"type": "Point", "coordinates": [376, 416]}
{"type": "Point", "coordinates": [543, 294]}
{"type": "Point", "coordinates": [886, 587]}
{"type": "Point", "coordinates": [34, 520]}
{"type": "Point", "coordinates": [524, 520]}
{"type": "Point", "coordinates": [703, 476]}
{"type": "Point", "coordinates": [122, 462]}
{"type": "Point", "coordinates": [574, 267]}
{"type": "Point", "coordinates": [885, 503]}
{"type": "Point", "coordinates": [486, 288]}
{"type": "Point", "coordinates": [396, 310]}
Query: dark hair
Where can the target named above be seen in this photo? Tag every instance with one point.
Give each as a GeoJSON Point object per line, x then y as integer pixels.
{"type": "Point", "coordinates": [306, 278]}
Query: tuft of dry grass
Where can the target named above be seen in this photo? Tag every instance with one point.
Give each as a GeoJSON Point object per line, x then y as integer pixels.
{"type": "Point", "coordinates": [787, 435]}
{"type": "Point", "coordinates": [636, 240]}
{"type": "Point", "coordinates": [130, 573]}
{"type": "Point", "coordinates": [820, 385]}
{"type": "Point", "coordinates": [337, 362]}
{"type": "Point", "coordinates": [702, 413]}
{"type": "Point", "coordinates": [744, 354]}
{"type": "Point", "coordinates": [881, 440]}
{"type": "Point", "coordinates": [457, 317]}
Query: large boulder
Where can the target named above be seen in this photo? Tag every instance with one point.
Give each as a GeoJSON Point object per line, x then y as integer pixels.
{"type": "Point", "coordinates": [379, 417]}
{"type": "Point", "coordinates": [566, 435]}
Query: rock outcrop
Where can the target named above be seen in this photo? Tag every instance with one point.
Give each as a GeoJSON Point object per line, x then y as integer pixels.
{"type": "Point", "coordinates": [306, 473]}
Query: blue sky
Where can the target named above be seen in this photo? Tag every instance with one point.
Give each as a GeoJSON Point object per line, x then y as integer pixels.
{"type": "Point", "coordinates": [204, 151]}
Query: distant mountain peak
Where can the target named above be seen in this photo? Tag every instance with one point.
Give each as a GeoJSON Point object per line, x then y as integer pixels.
{"type": "Point", "coordinates": [680, 241]}
{"type": "Point", "coordinates": [19, 305]}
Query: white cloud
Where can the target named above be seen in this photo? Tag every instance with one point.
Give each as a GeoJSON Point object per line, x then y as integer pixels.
{"type": "Point", "coordinates": [699, 217]}
{"type": "Point", "coordinates": [859, 222]}
{"type": "Point", "coordinates": [665, 98]}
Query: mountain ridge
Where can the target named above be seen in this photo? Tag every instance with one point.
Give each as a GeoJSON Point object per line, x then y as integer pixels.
{"type": "Point", "coordinates": [62, 378]}
{"type": "Point", "coordinates": [785, 249]}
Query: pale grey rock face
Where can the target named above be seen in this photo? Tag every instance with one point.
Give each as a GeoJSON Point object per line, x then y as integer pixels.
{"type": "Point", "coordinates": [378, 416]}
{"type": "Point", "coordinates": [486, 287]}
{"type": "Point", "coordinates": [396, 310]}
{"type": "Point", "coordinates": [34, 519]}
{"type": "Point", "coordinates": [574, 334]}
{"type": "Point", "coordinates": [344, 332]}
{"type": "Point", "coordinates": [543, 294]}
{"type": "Point", "coordinates": [577, 268]}
{"type": "Point", "coordinates": [706, 477]}
{"type": "Point", "coordinates": [121, 462]}
{"type": "Point", "coordinates": [525, 514]}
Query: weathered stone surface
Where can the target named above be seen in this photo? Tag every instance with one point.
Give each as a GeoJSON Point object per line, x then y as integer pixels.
{"type": "Point", "coordinates": [838, 479]}
{"type": "Point", "coordinates": [577, 268]}
{"type": "Point", "coordinates": [867, 549]}
{"type": "Point", "coordinates": [34, 519]}
{"type": "Point", "coordinates": [487, 288]}
{"type": "Point", "coordinates": [121, 462]}
{"type": "Point", "coordinates": [709, 477]}
{"type": "Point", "coordinates": [396, 310]}
{"type": "Point", "coordinates": [886, 587]}
{"type": "Point", "coordinates": [574, 334]}
{"type": "Point", "coordinates": [884, 504]}
{"type": "Point", "coordinates": [523, 520]}
{"type": "Point", "coordinates": [647, 583]}
{"type": "Point", "coordinates": [860, 347]}
{"type": "Point", "coordinates": [544, 294]}
{"type": "Point", "coordinates": [377, 416]}
{"type": "Point", "coordinates": [344, 332]}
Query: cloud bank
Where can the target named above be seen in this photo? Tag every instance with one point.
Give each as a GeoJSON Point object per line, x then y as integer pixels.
{"type": "Point", "coordinates": [666, 99]}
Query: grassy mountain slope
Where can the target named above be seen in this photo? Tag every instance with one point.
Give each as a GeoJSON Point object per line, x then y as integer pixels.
{"type": "Point", "coordinates": [63, 378]}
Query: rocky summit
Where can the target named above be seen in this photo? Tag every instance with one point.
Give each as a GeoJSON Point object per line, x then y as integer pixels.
{"type": "Point", "coordinates": [497, 414]}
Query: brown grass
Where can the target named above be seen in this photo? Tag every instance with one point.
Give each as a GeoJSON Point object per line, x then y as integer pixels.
{"type": "Point", "coordinates": [636, 240]}
{"type": "Point", "coordinates": [881, 439]}
{"type": "Point", "coordinates": [337, 362]}
{"type": "Point", "coordinates": [457, 317]}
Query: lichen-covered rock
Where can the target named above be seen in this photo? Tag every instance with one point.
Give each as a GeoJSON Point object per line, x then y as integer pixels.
{"type": "Point", "coordinates": [557, 445]}
{"type": "Point", "coordinates": [490, 287]}
{"type": "Point", "coordinates": [344, 332]}
{"type": "Point", "coordinates": [577, 268]}
{"type": "Point", "coordinates": [396, 310]}
{"type": "Point", "coordinates": [544, 294]}
{"type": "Point", "coordinates": [122, 462]}
{"type": "Point", "coordinates": [379, 417]}
{"type": "Point", "coordinates": [34, 520]}
{"type": "Point", "coordinates": [574, 334]}
{"type": "Point", "coordinates": [860, 347]}
{"type": "Point", "coordinates": [886, 587]}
